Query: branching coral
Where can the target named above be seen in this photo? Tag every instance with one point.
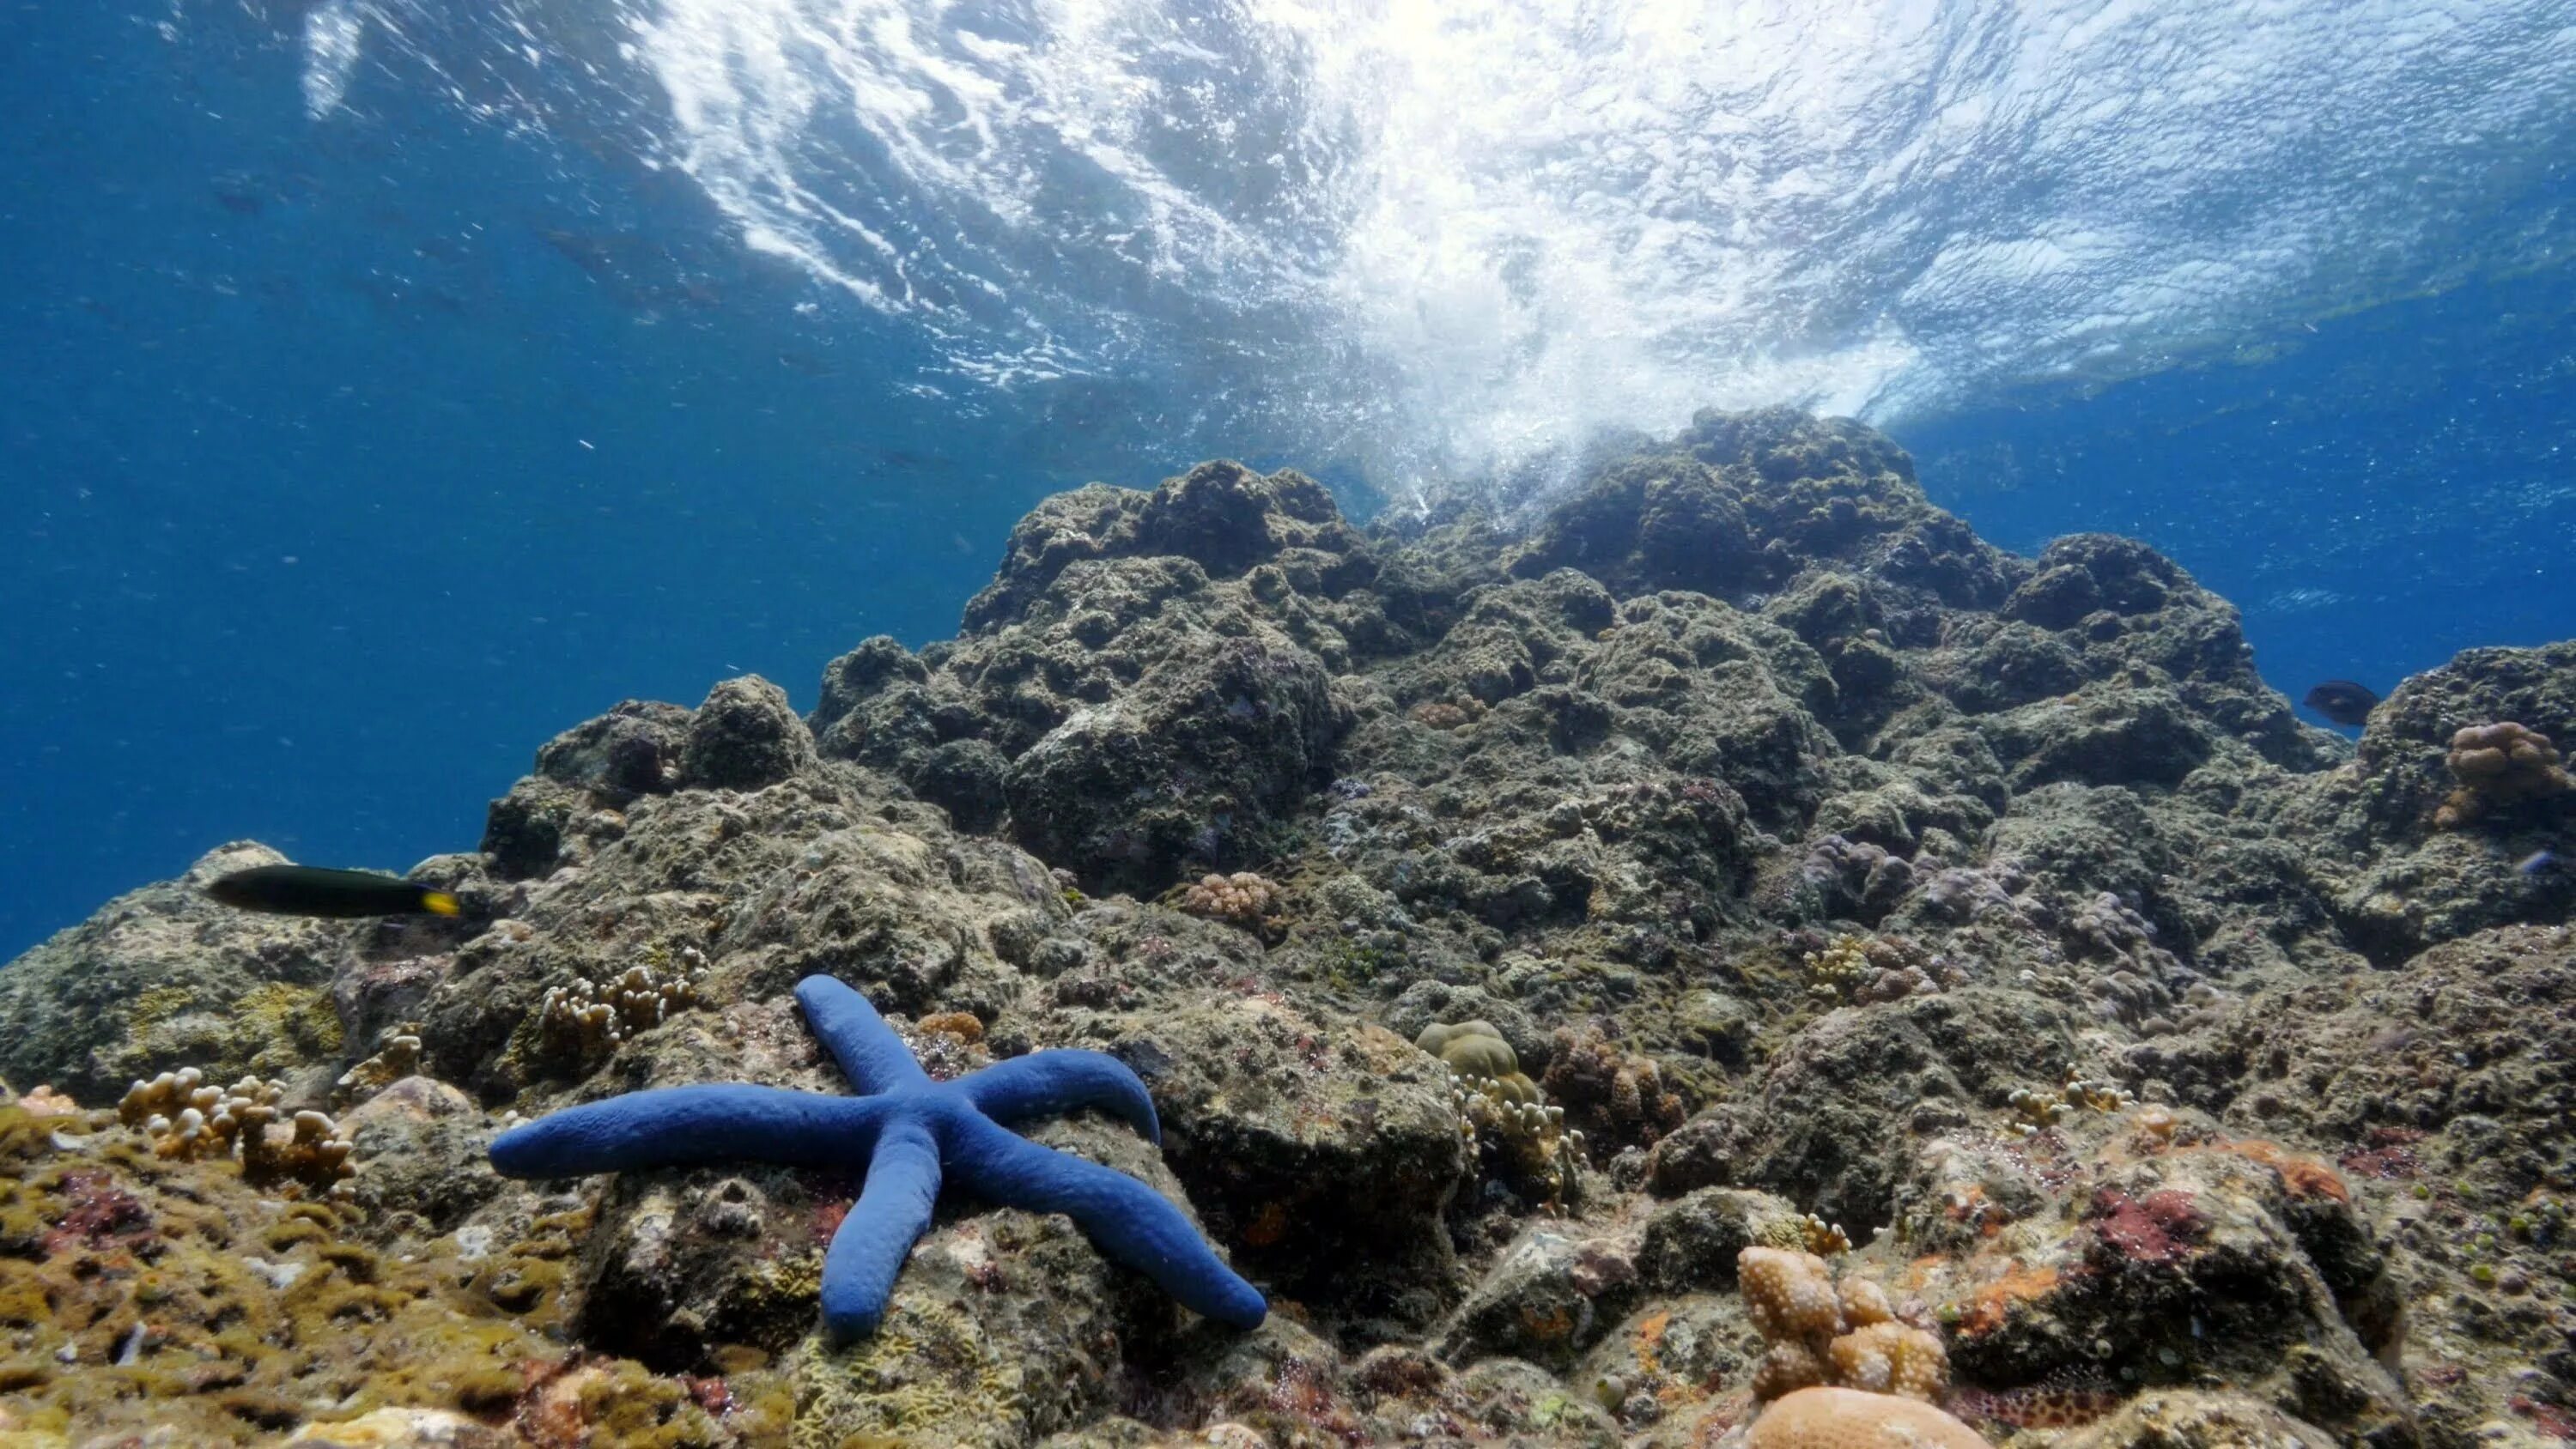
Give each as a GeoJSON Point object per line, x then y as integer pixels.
{"type": "Point", "coordinates": [1501, 1112]}
{"type": "Point", "coordinates": [1620, 1095]}
{"type": "Point", "coordinates": [187, 1119]}
{"type": "Point", "coordinates": [1821, 1333]}
{"type": "Point", "coordinates": [1243, 899]}
{"type": "Point", "coordinates": [1866, 969]}
{"type": "Point", "coordinates": [2498, 765]}
{"type": "Point", "coordinates": [312, 1154]}
{"type": "Point", "coordinates": [1835, 972]}
{"type": "Point", "coordinates": [585, 1021]}
{"type": "Point", "coordinates": [2046, 1109]}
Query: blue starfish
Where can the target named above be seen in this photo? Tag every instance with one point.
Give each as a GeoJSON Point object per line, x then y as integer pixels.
{"type": "Point", "coordinates": [913, 1132]}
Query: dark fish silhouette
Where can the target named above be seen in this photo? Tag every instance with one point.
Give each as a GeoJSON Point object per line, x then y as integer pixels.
{"type": "Point", "coordinates": [312, 890]}
{"type": "Point", "coordinates": [2342, 701]}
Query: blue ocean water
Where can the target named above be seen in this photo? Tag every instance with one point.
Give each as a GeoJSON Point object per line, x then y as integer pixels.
{"type": "Point", "coordinates": [392, 384]}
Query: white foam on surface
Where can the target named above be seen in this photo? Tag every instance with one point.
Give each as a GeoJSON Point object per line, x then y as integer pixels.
{"type": "Point", "coordinates": [1491, 227]}
{"type": "Point", "coordinates": [334, 35]}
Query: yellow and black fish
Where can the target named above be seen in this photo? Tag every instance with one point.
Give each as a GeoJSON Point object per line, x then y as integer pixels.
{"type": "Point", "coordinates": [312, 890]}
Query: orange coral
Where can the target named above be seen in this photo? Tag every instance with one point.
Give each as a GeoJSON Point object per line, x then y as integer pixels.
{"type": "Point", "coordinates": [963, 1025]}
{"type": "Point", "coordinates": [1994, 1301]}
{"type": "Point", "coordinates": [2303, 1176]}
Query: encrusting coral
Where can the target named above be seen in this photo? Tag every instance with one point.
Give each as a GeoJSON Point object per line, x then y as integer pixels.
{"type": "Point", "coordinates": [2498, 765]}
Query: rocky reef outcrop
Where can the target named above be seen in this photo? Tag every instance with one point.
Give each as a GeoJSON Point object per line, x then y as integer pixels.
{"type": "Point", "coordinates": [1516, 934]}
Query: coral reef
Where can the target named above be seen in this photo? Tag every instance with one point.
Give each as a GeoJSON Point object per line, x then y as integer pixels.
{"type": "Point", "coordinates": [1506, 1120]}
{"type": "Point", "coordinates": [1544, 949]}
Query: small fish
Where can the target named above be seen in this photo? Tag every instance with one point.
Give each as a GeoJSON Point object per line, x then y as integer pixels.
{"type": "Point", "coordinates": [312, 890]}
{"type": "Point", "coordinates": [2536, 862]}
{"type": "Point", "coordinates": [2342, 701]}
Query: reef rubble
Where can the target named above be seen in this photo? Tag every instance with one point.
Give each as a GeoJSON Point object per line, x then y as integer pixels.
{"type": "Point", "coordinates": [1740, 939]}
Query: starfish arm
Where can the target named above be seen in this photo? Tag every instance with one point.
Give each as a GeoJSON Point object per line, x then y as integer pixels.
{"type": "Point", "coordinates": [689, 1124]}
{"type": "Point", "coordinates": [870, 1054]}
{"type": "Point", "coordinates": [869, 1247]}
{"type": "Point", "coordinates": [1043, 1084]}
{"type": "Point", "coordinates": [1124, 1218]}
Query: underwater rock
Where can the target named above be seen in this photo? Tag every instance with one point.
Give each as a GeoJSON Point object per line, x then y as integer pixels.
{"type": "Point", "coordinates": [162, 978]}
{"type": "Point", "coordinates": [1323, 1153]}
{"type": "Point", "coordinates": [744, 737]}
{"type": "Point", "coordinates": [634, 749]}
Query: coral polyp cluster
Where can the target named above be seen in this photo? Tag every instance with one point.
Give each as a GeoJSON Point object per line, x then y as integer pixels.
{"type": "Point", "coordinates": [2038, 1110]}
{"type": "Point", "coordinates": [1817, 1332]}
{"type": "Point", "coordinates": [187, 1119]}
{"type": "Point", "coordinates": [1243, 899]}
{"type": "Point", "coordinates": [586, 1020]}
{"type": "Point", "coordinates": [1503, 1117]}
{"type": "Point", "coordinates": [2498, 765]}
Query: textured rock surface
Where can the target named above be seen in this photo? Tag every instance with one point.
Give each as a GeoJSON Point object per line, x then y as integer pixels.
{"type": "Point", "coordinates": [1849, 886]}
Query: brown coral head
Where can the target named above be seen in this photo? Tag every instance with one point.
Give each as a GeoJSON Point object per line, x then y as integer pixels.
{"type": "Point", "coordinates": [1831, 1418]}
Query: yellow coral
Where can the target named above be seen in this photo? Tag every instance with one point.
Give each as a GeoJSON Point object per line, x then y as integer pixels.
{"type": "Point", "coordinates": [1836, 1418]}
{"type": "Point", "coordinates": [1807, 1234]}
{"type": "Point", "coordinates": [2047, 1109]}
{"type": "Point", "coordinates": [1891, 1358]}
{"type": "Point", "coordinates": [1471, 1049]}
{"type": "Point", "coordinates": [1838, 970]}
{"type": "Point", "coordinates": [1788, 1295]}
